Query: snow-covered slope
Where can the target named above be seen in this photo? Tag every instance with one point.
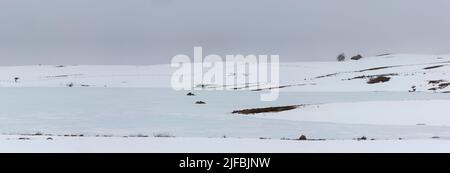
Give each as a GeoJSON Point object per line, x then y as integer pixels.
{"type": "Point", "coordinates": [404, 72]}
{"type": "Point", "coordinates": [425, 72]}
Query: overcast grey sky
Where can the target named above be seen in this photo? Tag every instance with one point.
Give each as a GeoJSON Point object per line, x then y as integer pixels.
{"type": "Point", "coordinates": [153, 31]}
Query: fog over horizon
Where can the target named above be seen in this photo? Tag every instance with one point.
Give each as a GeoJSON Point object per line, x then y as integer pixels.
{"type": "Point", "coordinates": [141, 32]}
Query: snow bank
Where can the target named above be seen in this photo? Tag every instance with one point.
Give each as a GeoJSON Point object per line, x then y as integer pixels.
{"type": "Point", "coordinates": [419, 112]}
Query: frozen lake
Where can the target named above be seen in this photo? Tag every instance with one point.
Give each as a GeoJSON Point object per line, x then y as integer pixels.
{"type": "Point", "coordinates": [128, 111]}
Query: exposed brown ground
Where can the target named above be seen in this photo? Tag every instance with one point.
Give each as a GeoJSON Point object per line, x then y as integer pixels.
{"type": "Point", "coordinates": [266, 110]}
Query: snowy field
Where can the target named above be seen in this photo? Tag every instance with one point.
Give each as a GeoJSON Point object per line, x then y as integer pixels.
{"type": "Point", "coordinates": [214, 145]}
{"type": "Point", "coordinates": [132, 109]}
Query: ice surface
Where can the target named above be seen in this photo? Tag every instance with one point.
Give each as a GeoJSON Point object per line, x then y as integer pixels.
{"type": "Point", "coordinates": [127, 111]}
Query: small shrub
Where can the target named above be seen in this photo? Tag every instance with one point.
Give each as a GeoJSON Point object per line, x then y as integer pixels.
{"type": "Point", "coordinates": [200, 102]}
{"type": "Point", "coordinates": [341, 57]}
{"type": "Point", "coordinates": [363, 138]}
{"type": "Point", "coordinates": [357, 57]}
{"type": "Point", "coordinates": [302, 138]}
{"type": "Point", "coordinates": [413, 89]}
{"type": "Point", "coordinates": [163, 135]}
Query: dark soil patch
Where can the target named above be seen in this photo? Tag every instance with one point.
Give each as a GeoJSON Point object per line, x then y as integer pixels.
{"type": "Point", "coordinates": [265, 110]}
{"type": "Point", "coordinates": [379, 79]}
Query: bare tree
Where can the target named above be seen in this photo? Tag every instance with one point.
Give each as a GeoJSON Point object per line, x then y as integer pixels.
{"type": "Point", "coordinates": [341, 57]}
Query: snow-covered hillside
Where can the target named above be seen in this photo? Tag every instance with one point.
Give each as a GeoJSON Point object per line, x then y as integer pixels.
{"type": "Point", "coordinates": [404, 71]}
{"type": "Point", "coordinates": [423, 72]}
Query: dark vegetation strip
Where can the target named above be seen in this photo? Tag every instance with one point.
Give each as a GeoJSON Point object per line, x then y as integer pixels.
{"type": "Point", "coordinates": [373, 76]}
{"type": "Point", "coordinates": [377, 68]}
{"type": "Point", "coordinates": [278, 87]}
{"type": "Point", "coordinates": [266, 110]}
{"type": "Point", "coordinates": [433, 67]}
